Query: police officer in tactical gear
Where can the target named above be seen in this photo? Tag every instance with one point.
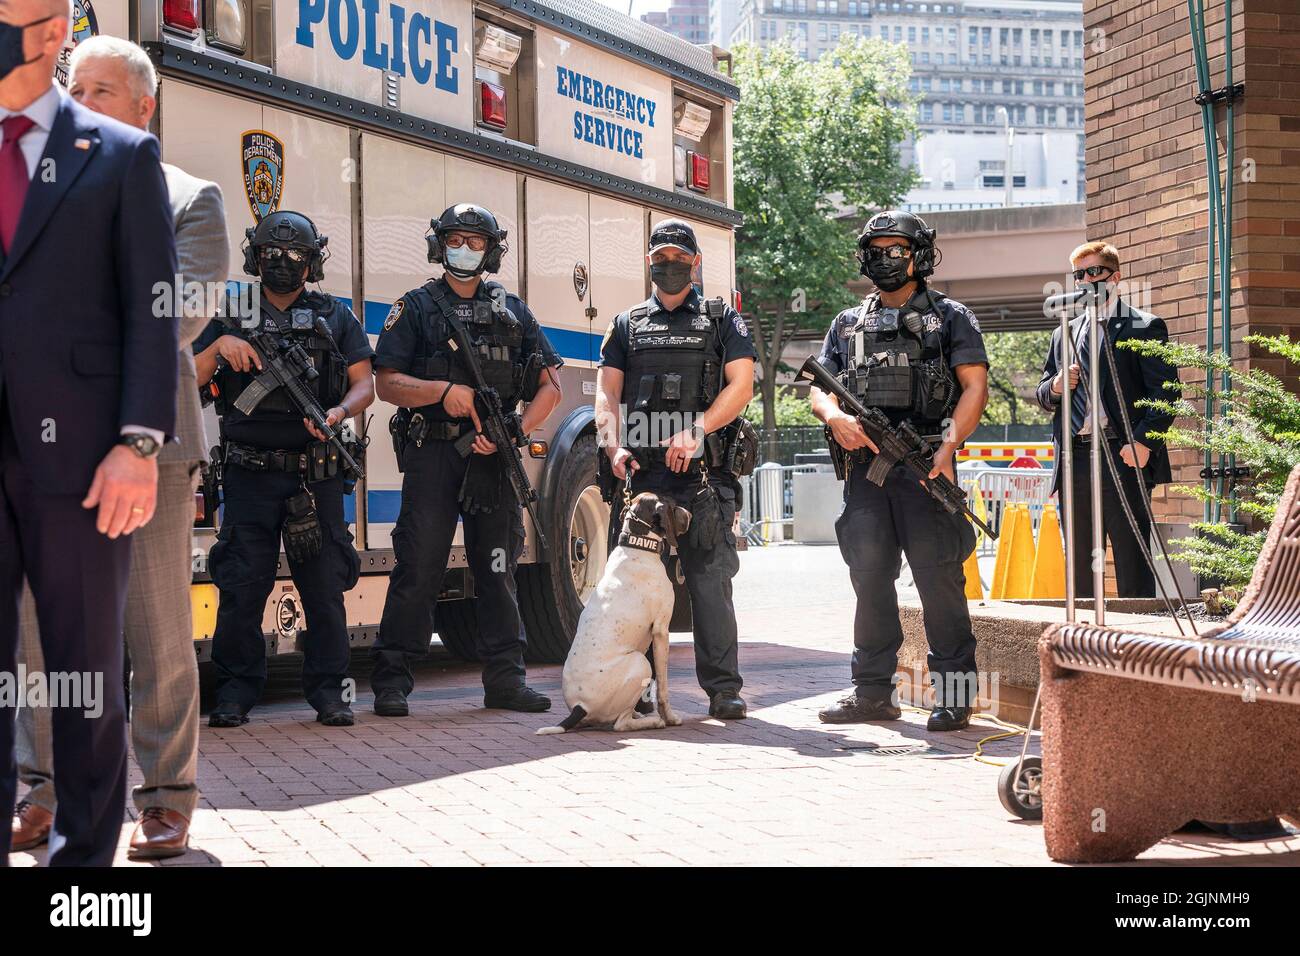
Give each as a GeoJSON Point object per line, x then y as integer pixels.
{"type": "Point", "coordinates": [450, 468]}
{"type": "Point", "coordinates": [280, 477]}
{"type": "Point", "coordinates": [917, 356]}
{"type": "Point", "coordinates": [675, 373]}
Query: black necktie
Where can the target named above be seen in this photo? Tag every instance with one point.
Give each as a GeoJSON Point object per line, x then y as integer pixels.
{"type": "Point", "coordinates": [1079, 397]}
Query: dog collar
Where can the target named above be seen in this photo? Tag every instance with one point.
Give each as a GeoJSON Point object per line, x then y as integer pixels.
{"type": "Point", "coordinates": [641, 542]}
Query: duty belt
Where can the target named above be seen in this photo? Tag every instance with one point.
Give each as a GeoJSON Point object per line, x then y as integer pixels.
{"type": "Point", "coordinates": [317, 463]}
{"type": "Point", "coordinates": [421, 430]}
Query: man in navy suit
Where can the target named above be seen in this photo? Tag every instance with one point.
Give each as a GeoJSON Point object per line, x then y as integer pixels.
{"type": "Point", "coordinates": [88, 377]}
{"type": "Point", "coordinates": [1141, 465]}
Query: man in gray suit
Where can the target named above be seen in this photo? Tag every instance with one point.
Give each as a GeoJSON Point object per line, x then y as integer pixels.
{"type": "Point", "coordinates": [115, 77]}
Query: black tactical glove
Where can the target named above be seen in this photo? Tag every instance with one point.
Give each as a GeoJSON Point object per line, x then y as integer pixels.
{"type": "Point", "coordinates": [301, 531]}
{"type": "Point", "coordinates": [480, 492]}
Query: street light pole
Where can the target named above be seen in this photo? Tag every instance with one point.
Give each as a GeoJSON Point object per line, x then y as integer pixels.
{"type": "Point", "coordinates": [1008, 180]}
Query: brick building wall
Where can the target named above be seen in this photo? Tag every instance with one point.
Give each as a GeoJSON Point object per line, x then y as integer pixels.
{"type": "Point", "coordinates": [1147, 188]}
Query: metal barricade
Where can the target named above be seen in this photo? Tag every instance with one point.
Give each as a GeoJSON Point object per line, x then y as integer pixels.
{"type": "Point", "coordinates": [1002, 487]}
{"type": "Point", "coordinates": [769, 501]}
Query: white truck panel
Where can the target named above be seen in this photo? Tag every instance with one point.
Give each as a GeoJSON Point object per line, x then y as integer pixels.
{"type": "Point", "coordinates": [574, 114]}
{"type": "Point", "coordinates": [339, 46]}
{"type": "Point", "coordinates": [558, 240]}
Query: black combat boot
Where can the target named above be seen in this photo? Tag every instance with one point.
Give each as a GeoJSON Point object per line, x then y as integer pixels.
{"type": "Point", "coordinates": [727, 705]}
{"type": "Point", "coordinates": [517, 698]}
{"type": "Point", "coordinates": [227, 715]}
{"type": "Point", "coordinates": [337, 715]}
{"type": "Point", "coordinates": [949, 718]}
{"type": "Point", "coordinates": [391, 702]}
{"type": "Point", "coordinates": [858, 710]}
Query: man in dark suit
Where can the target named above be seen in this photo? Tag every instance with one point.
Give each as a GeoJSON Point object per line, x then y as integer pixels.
{"type": "Point", "coordinates": [1141, 465]}
{"type": "Point", "coordinates": [88, 377]}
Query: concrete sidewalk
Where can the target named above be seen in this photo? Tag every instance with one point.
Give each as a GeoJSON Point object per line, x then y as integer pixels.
{"type": "Point", "coordinates": [455, 784]}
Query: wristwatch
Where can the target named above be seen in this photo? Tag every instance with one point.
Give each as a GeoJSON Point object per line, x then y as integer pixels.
{"type": "Point", "coordinates": [143, 445]}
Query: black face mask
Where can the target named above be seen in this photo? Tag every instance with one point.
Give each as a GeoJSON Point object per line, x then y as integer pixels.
{"type": "Point", "coordinates": [672, 276]}
{"type": "Point", "coordinates": [889, 275]}
{"type": "Point", "coordinates": [280, 274]}
{"type": "Point", "coordinates": [282, 278]}
{"type": "Point", "coordinates": [11, 46]}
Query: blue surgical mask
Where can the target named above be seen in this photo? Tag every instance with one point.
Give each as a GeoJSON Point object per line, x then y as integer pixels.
{"type": "Point", "coordinates": [11, 46]}
{"type": "Point", "coordinates": [463, 262]}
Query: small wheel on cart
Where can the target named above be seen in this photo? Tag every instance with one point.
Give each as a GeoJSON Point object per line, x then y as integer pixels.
{"type": "Point", "coordinates": [1020, 788]}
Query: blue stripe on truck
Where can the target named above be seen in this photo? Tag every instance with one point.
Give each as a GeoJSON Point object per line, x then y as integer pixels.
{"type": "Point", "coordinates": [383, 506]}
{"type": "Point", "coordinates": [571, 344]}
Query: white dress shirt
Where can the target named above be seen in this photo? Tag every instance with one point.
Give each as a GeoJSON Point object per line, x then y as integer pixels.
{"type": "Point", "coordinates": [1081, 343]}
{"type": "Point", "coordinates": [42, 111]}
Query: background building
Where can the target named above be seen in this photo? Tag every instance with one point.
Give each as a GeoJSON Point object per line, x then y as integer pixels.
{"type": "Point", "coordinates": [976, 67]}
{"type": "Point", "coordinates": [688, 19]}
{"type": "Point", "coordinates": [724, 16]}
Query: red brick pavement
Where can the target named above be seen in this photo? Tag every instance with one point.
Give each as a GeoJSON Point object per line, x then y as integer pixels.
{"type": "Point", "coordinates": [454, 784]}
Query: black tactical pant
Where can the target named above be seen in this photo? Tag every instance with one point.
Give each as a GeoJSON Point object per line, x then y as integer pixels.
{"type": "Point", "coordinates": [422, 541]}
{"type": "Point", "coordinates": [1133, 576]}
{"type": "Point", "coordinates": [242, 563]}
{"type": "Point", "coordinates": [708, 573]}
{"type": "Point", "coordinates": [879, 524]}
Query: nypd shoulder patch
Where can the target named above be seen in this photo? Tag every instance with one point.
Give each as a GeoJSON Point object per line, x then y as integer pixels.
{"type": "Point", "coordinates": [394, 314]}
{"type": "Point", "coordinates": [740, 325]}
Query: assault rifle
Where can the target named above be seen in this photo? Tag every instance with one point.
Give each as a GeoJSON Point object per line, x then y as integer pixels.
{"type": "Point", "coordinates": [501, 429]}
{"type": "Point", "coordinates": [898, 444]}
{"type": "Point", "coordinates": [286, 365]}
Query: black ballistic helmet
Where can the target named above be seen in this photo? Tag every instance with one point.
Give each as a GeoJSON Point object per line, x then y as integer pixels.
{"type": "Point", "coordinates": [289, 230]}
{"type": "Point", "coordinates": [467, 217]}
{"type": "Point", "coordinates": [905, 225]}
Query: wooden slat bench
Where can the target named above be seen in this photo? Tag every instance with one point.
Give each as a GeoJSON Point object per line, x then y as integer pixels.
{"type": "Point", "coordinates": [1143, 733]}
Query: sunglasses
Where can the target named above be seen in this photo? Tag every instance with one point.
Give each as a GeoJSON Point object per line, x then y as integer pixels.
{"type": "Point", "coordinates": [1091, 272]}
{"type": "Point", "coordinates": [273, 254]}
{"type": "Point", "coordinates": [877, 253]}
{"type": "Point", "coordinates": [475, 243]}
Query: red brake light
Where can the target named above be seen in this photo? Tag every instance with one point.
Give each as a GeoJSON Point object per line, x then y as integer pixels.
{"type": "Point", "coordinates": [699, 171]}
{"type": "Point", "coordinates": [182, 15]}
{"type": "Point", "coordinates": [492, 105]}
{"type": "Point", "coordinates": [735, 297]}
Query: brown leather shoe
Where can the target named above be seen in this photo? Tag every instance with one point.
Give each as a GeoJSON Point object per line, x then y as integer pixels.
{"type": "Point", "coordinates": [31, 826]}
{"type": "Point", "coordinates": [159, 834]}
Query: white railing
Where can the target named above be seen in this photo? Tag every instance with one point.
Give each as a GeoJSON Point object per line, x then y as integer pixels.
{"type": "Point", "coordinates": [1002, 487]}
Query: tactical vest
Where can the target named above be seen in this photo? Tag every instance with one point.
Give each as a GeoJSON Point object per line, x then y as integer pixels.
{"type": "Point", "coordinates": [495, 332]}
{"type": "Point", "coordinates": [895, 362]}
{"type": "Point", "coordinates": [304, 325]}
{"type": "Point", "coordinates": [674, 360]}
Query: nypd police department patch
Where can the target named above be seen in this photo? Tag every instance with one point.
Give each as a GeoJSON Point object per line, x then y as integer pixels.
{"type": "Point", "coordinates": [740, 325]}
{"type": "Point", "coordinates": [263, 164]}
{"type": "Point", "coordinates": [394, 314]}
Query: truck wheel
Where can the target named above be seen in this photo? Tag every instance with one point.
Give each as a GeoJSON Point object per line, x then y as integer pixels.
{"type": "Point", "coordinates": [456, 623]}
{"type": "Point", "coordinates": [552, 595]}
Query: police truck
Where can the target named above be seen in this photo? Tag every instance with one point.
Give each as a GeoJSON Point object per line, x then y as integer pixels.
{"type": "Point", "coordinates": [577, 126]}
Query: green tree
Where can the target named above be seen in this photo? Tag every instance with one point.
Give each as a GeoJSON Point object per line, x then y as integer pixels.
{"type": "Point", "coordinates": [791, 409]}
{"type": "Point", "coordinates": [1258, 423]}
{"type": "Point", "coordinates": [1015, 366]}
{"type": "Point", "coordinates": [813, 140]}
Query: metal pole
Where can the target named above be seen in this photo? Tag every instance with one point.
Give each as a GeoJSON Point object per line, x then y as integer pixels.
{"type": "Point", "coordinates": [1067, 463]}
{"type": "Point", "coordinates": [1096, 329]}
{"type": "Point", "coordinates": [1008, 183]}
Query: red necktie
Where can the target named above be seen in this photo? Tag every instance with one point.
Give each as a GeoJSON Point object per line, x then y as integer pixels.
{"type": "Point", "coordinates": [13, 177]}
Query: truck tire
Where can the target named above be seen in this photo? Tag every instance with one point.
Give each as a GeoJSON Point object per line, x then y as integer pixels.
{"type": "Point", "coordinates": [457, 624]}
{"type": "Point", "coordinates": [552, 595]}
